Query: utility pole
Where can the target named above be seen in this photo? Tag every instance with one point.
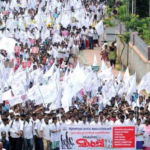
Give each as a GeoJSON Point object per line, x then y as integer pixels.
{"type": "Point", "coordinates": [128, 7]}
{"type": "Point", "coordinates": [134, 7]}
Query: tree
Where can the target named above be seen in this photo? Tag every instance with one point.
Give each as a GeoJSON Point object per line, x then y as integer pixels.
{"type": "Point", "coordinates": [142, 8]}
{"type": "Point", "coordinates": [111, 3]}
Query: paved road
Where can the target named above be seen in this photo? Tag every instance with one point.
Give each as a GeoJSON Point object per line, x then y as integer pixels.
{"type": "Point", "coordinates": [87, 56]}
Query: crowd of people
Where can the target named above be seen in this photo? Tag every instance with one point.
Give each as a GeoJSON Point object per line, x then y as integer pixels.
{"type": "Point", "coordinates": [35, 97]}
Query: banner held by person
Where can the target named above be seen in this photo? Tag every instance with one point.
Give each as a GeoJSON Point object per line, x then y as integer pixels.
{"type": "Point", "coordinates": [97, 137]}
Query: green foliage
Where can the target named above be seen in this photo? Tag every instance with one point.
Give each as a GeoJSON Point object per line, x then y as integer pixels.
{"type": "Point", "coordinates": [109, 22]}
{"type": "Point", "coordinates": [111, 3]}
{"type": "Point", "coordinates": [109, 11]}
{"type": "Point", "coordinates": [125, 38]}
{"type": "Point", "coordinates": [131, 22]}
{"type": "Point", "coordinates": [134, 23]}
{"type": "Point", "coordinates": [122, 13]}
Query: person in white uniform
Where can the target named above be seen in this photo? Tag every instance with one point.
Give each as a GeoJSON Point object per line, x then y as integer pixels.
{"type": "Point", "coordinates": [139, 129]}
{"type": "Point", "coordinates": [95, 122]}
{"type": "Point", "coordinates": [55, 133]}
{"type": "Point", "coordinates": [28, 133]}
{"type": "Point", "coordinates": [45, 133]}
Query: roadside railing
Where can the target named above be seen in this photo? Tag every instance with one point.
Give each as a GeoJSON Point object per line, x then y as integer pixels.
{"type": "Point", "coordinates": [135, 40]}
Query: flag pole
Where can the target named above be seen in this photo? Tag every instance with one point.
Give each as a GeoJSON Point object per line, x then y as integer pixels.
{"type": "Point", "coordinates": [41, 96]}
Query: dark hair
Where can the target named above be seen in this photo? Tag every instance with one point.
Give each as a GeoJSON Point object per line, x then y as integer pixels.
{"type": "Point", "coordinates": [62, 116]}
{"type": "Point", "coordinates": [3, 132]}
{"type": "Point", "coordinates": [54, 118]}
{"type": "Point", "coordinates": [138, 119]}
{"type": "Point", "coordinates": [96, 116]}
{"type": "Point", "coordinates": [100, 112]}
{"type": "Point", "coordinates": [122, 117]}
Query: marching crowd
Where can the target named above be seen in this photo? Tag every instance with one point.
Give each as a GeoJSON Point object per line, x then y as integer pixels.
{"type": "Point", "coordinates": [58, 30]}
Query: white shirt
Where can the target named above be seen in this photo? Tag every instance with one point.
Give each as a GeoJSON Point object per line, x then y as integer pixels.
{"type": "Point", "coordinates": [118, 122]}
{"type": "Point", "coordinates": [4, 128]}
{"type": "Point", "coordinates": [91, 32]}
{"type": "Point", "coordinates": [130, 122]}
{"type": "Point", "coordinates": [34, 122]}
{"type": "Point", "coordinates": [46, 130]}
{"type": "Point", "coordinates": [142, 120]}
{"type": "Point", "coordinates": [94, 123]}
{"type": "Point", "coordinates": [28, 130]}
{"type": "Point", "coordinates": [63, 123]}
{"type": "Point", "coordinates": [55, 136]}
{"type": "Point", "coordinates": [72, 123]}
{"type": "Point", "coordinates": [75, 49]}
{"type": "Point", "coordinates": [139, 129]}
{"type": "Point", "coordinates": [15, 127]}
{"type": "Point", "coordinates": [38, 127]}
{"type": "Point", "coordinates": [82, 123]}
{"type": "Point", "coordinates": [71, 41]}
{"type": "Point", "coordinates": [108, 123]}
{"type": "Point", "coordinates": [84, 34]}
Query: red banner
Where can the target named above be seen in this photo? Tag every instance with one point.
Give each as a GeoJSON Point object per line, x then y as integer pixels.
{"type": "Point", "coordinates": [26, 64]}
{"type": "Point", "coordinates": [35, 50]}
{"type": "Point", "coordinates": [123, 137]}
{"type": "Point", "coordinates": [17, 49]}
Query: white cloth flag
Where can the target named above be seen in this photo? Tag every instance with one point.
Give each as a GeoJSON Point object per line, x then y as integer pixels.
{"type": "Point", "coordinates": [50, 71]}
{"type": "Point", "coordinates": [145, 83]}
{"type": "Point", "coordinates": [132, 88]}
{"type": "Point", "coordinates": [126, 75]}
{"type": "Point", "coordinates": [109, 90]}
{"type": "Point", "coordinates": [100, 28]}
{"type": "Point", "coordinates": [105, 74]}
{"type": "Point", "coordinates": [75, 84]}
{"type": "Point", "coordinates": [103, 67]}
{"type": "Point", "coordinates": [126, 86]}
{"type": "Point", "coordinates": [7, 95]}
{"type": "Point", "coordinates": [34, 91]}
{"type": "Point", "coordinates": [18, 88]}
{"type": "Point", "coordinates": [88, 80]}
{"type": "Point", "coordinates": [95, 61]}
{"type": "Point", "coordinates": [7, 44]}
{"type": "Point", "coordinates": [38, 100]}
{"type": "Point", "coordinates": [56, 104]}
{"type": "Point", "coordinates": [49, 92]}
{"type": "Point", "coordinates": [65, 21]}
{"type": "Point", "coordinates": [15, 100]}
{"type": "Point", "coordinates": [119, 77]}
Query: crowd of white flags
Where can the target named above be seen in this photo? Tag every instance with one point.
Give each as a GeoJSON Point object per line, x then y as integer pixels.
{"type": "Point", "coordinates": [50, 87]}
{"type": "Point", "coordinates": [60, 92]}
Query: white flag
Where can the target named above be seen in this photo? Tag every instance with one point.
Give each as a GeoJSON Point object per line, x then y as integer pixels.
{"type": "Point", "coordinates": [95, 61]}
{"type": "Point", "coordinates": [145, 83]}
{"type": "Point", "coordinates": [119, 77]}
{"type": "Point", "coordinates": [132, 88]}
{"type": "Point", "coordinates": [50, 71]}
{"type": "Point", "coordinates": [7, 95]}
{"type": "Point", "coordinates": [105, 74]}
{"type": "Point", "coordinates": [103, 67]}
{"type": "Point", "coordinates": [15, 100]}
{"type": "Point", "coordinates": [74, 85]}
{"type": "Point", "coordinates": [7, 44]}
{"type": "Point", "coordinates": [100, 28]}
{"type": "Point", "coordinates": [126, 75]}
